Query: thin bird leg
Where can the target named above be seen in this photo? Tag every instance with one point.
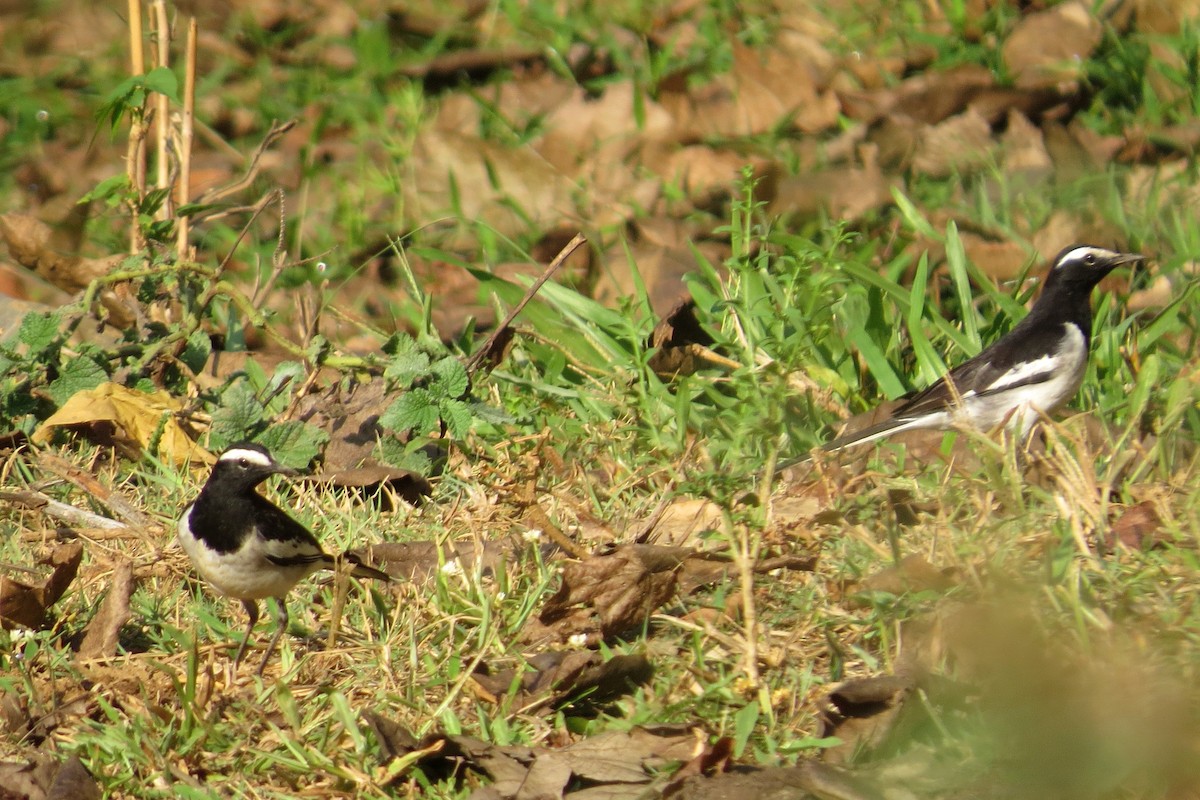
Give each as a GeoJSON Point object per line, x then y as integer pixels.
{"type": "Point", "coordinates": [251, 611]}
{"type": "Point", "coordinates": [283, 624]}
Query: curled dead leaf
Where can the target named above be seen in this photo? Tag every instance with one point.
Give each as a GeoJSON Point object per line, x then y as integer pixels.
{"type": "Point", "coordinates": [130, 420]}
{"type": "Point", "coordinates": [608, 594]}
{"type": "Point", "coordinates": [26, 604]}
{"type": "Point", "coordinates": [43, 777]}
{"type": "Point", "coordinates": [416, 560]}
{"type": "Point", "coordinates": [100, 636]}
{"type": "Point", "coordinates": [1137, 528]}
{"type": "Point", "coordinates": [672, 336]}
{"type": "Point", "coordinates": [862, 712]}
{"type": "Point", "coordinates": [554, 678]}
{"type": "Point", "coordinates": [1049, 47]}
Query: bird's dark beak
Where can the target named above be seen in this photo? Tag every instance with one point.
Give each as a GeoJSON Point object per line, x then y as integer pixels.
{"type": "Point", "coordinates": [287, 472]}
{"type": "Point", "coordinates": [1128, 258]}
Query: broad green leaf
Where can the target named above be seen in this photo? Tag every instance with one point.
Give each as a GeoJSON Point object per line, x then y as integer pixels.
{"type": "Point", "coordinates": [163, 81]}
{"type": "Point", "coordinates": [196, 351]}
{"type": "Point", "coordinates": [490, 413]}
{"type": "Point", "coordinates": [39, 331]}
{"type": "Point", "coordinates": [415, 410]}
{"type": "Point", "coordinates": [452, 378]}
{"type": "Point", "coordinates": [79, 374]}
{"type": "Point", "coordinates": [744, 722]}
{"type": "Point", "coordinates": [407, 367]}
{"type": "Point", "coordinates": [457, 416]}
{"type": "Point", "coordinates": [239, 415]}
{"type": "Point", "coordinates": [115, 187]}
{"type": "Point", "coordinates": [284, 381]}
{"type": "Point", "coordinates": [293, 443]}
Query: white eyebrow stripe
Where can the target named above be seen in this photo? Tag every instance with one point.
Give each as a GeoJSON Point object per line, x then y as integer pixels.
{"type": "Point", "coordinates": [1079, 252]}
{"type": "Point", "coordinates": [253, 456]}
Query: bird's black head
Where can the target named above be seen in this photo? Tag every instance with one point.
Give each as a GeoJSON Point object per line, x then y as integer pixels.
{"type": "Point", "coordinates": [244, 466]}
{"type": "Point", "coordinates": [1082, 266]}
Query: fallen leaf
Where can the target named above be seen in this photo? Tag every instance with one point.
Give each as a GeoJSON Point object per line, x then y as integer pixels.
{"type": "Point", "coordinates": [25, 604]}
{"type": "Point", "coordinates": [912, 574]}
{"type": "Point", "coordinates": [684, 519]}
{"type": "Point", "coordinates": [1023, 152]}
{"type": "Point", "coordinates": [809, 779]}
{"type": "Point", "coordinates": [510, 189]}
{"type": "Point", "coordinates": [420, 559]}
{"type": "Point", "coordinates": [1049, 47]}
{"type": "Point", "coordinates": [617, 764]}
{"type": "Point", "coordinates": [1000, 261]}
{"type": "Point", "coordinates": [557, 678]}
{"type": "Point", "coordinates": [608, 594]}
{"type": "Point", "coordinates": [861, 712]}
{"type": "Point", "coordinates": [962, 143]}
{"type": "Point", "coordinates": [1137, 528]}
{"type": "Point", "coordinates": [761, 92]}
{"type": "Point", "coordinates": [43, 777]}
{"type": "Point", "coordinates": [927, 97]}
{"type": "Point", "coordinates": [114, 415]}
{"type": "Point", "coordinates": [661, 267]}
{"type": "Point", "coordinates": [841, 192]}
{"type": "Point", "coordinates": [672, 338]}
{"type": "Point", "coordinates": [100, 636]}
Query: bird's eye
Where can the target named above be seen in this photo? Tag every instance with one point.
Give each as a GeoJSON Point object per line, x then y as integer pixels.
{"type": "Point", "coordinates": [1090, 259]}
{"type": "Point", "coordinates": [244, 463]}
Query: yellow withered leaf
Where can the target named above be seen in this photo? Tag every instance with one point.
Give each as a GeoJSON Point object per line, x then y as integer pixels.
{"type": "Point", "coordinates": [127, 419]}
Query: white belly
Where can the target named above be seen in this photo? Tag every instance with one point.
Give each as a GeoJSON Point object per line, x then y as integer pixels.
{"type": "Point", "coordinates": [247, 573]}
{"type": "Point", "coordinates": [1019, 408]}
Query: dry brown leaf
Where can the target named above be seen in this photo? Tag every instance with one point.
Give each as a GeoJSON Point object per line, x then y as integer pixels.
{"type": "Point", "coordinates": [861, 712]}
{"type": "Point", "coordinates": [808, 779]}
{"type": "Point", "coordinates": [672, 339]}
{"type": "Point", "coordinates": [1067, 226]}
{"type": "Point", "coordinates": [554, 679]}
{"type": "Point", "coordinates": [1000, 261]}
{"type": "Point", "coordinates": [912, 574]}
{"type": "Point", "coordinates": [45, 778]}
{"type": "Point", "coordinates": [928, 97]}
{"type": "Point", "coordinates": [684, 518]}
{"type": "Point", "coordinates": [1026, 161]}
{"type": "Point", "coordinates": [100, 636]}
{"type": "Point", "coordinates": [703, 173]}
{"type": "Point", "coordinates": [606, 595]}
{"type": "Point", "coordinates": [603, 129]}
{"type": "Point", "coordinates": [661, 267]}
{"type": "Point", "coordinates": [960, 144]}
{"type": "Point", "coordinates": [1049, 47]}
{"type": "Point", "coordinates": [614, 765]}
{"type": "Point", "coordinates": [845, 193]}
{"type": "Point", "coordinates": [756, 96]}
{"type": "Point", "coordinates": [1137, 528]}
{"type": "Point", "coordinates": [415, 560]}
{"type": "Point", "coordinates": [128, 419]}
{"type": "Point", "coordinates": [26, 604]}
{"type": "Point", "coordinates": [511, 189]}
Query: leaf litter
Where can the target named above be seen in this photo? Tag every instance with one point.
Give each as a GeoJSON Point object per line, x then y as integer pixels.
{"type": "Point", "coordinates": [910, 120]}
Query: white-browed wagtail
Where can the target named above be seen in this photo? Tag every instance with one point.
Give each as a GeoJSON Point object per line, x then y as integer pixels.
{"type": "Point", "coordinates": [1034, 369]}
{"type": "Point", "coordinates": [246, 546]}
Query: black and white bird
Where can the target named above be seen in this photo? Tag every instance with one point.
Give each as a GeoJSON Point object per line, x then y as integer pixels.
{"type": "Point", "coordinates": [246, 546]}
{"type": "Point", "coordinates": [1032, 370]}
